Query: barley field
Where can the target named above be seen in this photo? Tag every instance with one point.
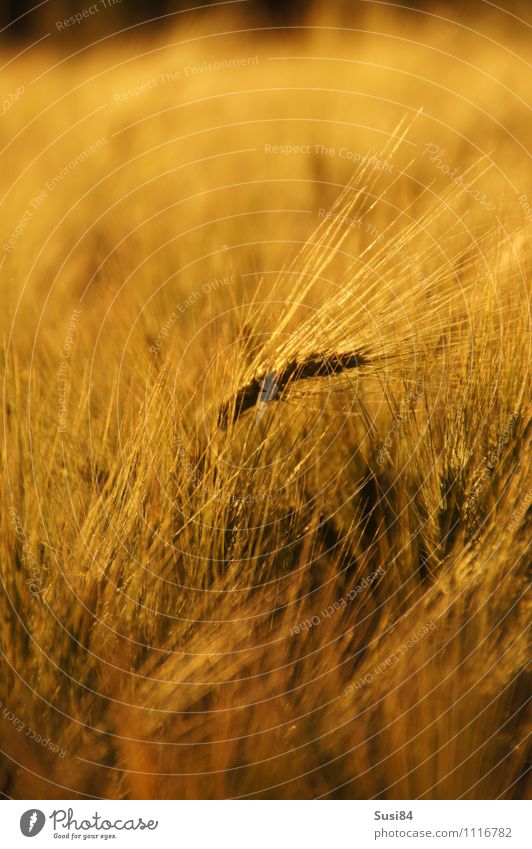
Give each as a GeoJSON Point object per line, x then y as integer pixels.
{"type": "Point", "coordinates": [265, 342]}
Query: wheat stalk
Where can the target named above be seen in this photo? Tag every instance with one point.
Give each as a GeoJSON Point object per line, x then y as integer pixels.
{"type": "Point", "coordinates": [269, 386]}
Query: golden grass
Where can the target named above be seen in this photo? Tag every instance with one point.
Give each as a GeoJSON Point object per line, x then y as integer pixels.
{"type": "Point", "coordinates": [163, 573]}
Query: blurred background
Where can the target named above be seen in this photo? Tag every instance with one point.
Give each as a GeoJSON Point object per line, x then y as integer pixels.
{"type": "Point", "coordinates": [26, 18]}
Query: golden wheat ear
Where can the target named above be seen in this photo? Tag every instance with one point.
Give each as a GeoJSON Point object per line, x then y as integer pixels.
{"type": "Point", "coordinates": [269, 386]}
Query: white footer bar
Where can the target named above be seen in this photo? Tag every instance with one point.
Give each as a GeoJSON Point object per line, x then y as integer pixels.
{"type": "Point", "coordinates": [267, 824]}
